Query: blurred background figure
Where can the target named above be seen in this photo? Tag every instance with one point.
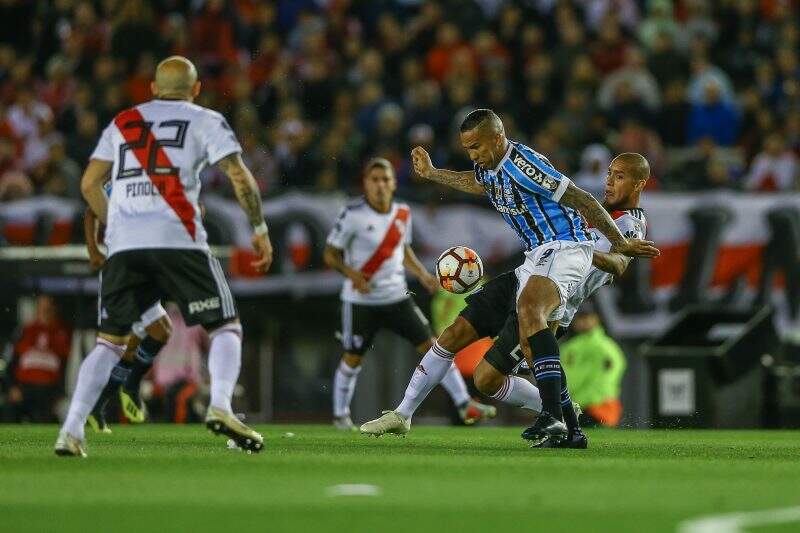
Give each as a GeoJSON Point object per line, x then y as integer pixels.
{"type": "Point", "coordinates": [595, 365]}
{"type": "Point", "coordinates": [36, 366]}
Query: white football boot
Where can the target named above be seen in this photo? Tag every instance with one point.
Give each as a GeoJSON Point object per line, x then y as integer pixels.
{"type": "Point", "coordinates": [390, 422]}
{"type": "Point", "coordinates": [223, 423]}
{"type": "Point", "coordinates": [69, 446]}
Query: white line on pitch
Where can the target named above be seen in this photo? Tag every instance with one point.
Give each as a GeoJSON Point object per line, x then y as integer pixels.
{"type": "Point", "coordinates": [736, 522]}
{"type": "Point", "coordinates": [358, 489]}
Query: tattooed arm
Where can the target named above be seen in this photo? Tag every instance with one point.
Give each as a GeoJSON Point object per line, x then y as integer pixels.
{"type": "Point", "coordinates": [463, 181]}
{"type": "Point", "coordinates": [249, 198]}
{"type": "Point", "coordinates": [597, 216]}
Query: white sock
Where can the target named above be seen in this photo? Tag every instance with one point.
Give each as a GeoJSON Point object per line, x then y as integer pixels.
{"type": "Point", "coordinates": [453, 382]}
{"type": "Point", "coordinates": [426, 376]}
{"type": "Point", "coordinates": [344, 385]}
{"type": "Point", "coordinates": [224, 363]}
{"type": "Point", "coordinates": [519, 392]}
{"type": "Point", "coordinates": [92, 378]}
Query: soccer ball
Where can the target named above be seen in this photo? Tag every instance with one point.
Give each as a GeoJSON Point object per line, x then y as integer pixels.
{"type": "Point", "coordinates": [459, 269]}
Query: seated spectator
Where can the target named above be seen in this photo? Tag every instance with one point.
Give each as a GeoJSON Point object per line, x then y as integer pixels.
{"type": "Point", "coordinates": [774, 169]}
{"type": "Point", "coordinates": [714, 117]}
{"type": "Point", "coordinates": [673, 114]}
{"type": "Point", "coordinates": [36, 368]}
{"type": "Point", "coordinates": [637, 77]}
{"type": "Point", "coordinates": [594, 364]}
{"type": "Point", "coordinates": [703, 170]}
{"type": "Point", "coordinates": [705, 74]}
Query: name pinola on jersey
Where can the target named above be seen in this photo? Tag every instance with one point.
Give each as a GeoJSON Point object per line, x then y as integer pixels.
{"type": "Point", "coordinates": [532, 172]}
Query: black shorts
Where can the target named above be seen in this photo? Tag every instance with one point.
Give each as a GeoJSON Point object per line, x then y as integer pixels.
{"type": "Point", "coordinates": [133, 280]}
{"type": "Point", "coordinates": [505, 354]}
{"type": "Point", "coordinates": [489, 307]}
{"type": "Point", "coordinates": [361, 322]}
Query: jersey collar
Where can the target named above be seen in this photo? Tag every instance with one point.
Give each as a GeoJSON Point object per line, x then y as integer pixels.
{"type": "Point", "coordinates": [505, 157]}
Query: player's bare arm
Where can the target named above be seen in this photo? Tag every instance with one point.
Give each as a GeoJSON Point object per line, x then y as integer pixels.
{"type": "Point", "coordinates": [92, 186]}
{"type": "Point", "coordinates": [418, 270]}
{"type": "Point", "coordinates": [334, 258]}
{"type": "Point", "coordinates": [247, 194]}
{"type": "Point", "coordinates": [612, 262]}
{"type": "Point", "coordinates": [460, 180]}
{"type": "Point", "coordinates": [96, 257]}
{"type": "Point", "coordinates": [597, 216]}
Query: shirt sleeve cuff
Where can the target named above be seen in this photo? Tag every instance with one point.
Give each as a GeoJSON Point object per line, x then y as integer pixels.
{"type": "Point", "coordinates": [561, 189]}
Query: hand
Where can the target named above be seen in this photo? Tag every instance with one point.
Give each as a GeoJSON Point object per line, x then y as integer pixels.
{"type": "Point", "coordinates": [360, 282]}
{"type": "Point", "coordinates": [636, 248]}
{"type": "Point", "coordinates": [263, 249]}
{"type": "Point", "coordinates": [430, 282]}
{"type": "Point", "coordinates": [15, 394]}
{"type": "Point", "coordinates": [96, 259]}
{"type": "Point", "coordinates": [422, 162]}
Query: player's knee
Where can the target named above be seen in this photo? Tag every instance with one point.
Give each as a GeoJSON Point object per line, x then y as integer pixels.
{"type": "Point", "coordinates": [487, 379]}
{"type": "Point", "coordinates": [458, 335]}
{"type": "Point", "coordinates": [423, 348]}
{"type": "Point", "coordinates": [352, 360]}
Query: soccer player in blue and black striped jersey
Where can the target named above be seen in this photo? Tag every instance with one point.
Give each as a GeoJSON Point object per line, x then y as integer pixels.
{"type": "Point", "coordinates": [547, 211]}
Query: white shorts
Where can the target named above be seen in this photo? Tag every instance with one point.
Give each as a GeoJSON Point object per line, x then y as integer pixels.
{"type": "Point", "coordinates": [564, 262]}
{"type": "Point", "coordinates": [148, 317]}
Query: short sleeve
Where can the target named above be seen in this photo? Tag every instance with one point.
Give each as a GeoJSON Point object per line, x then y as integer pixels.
{"type": "Point", "coordinates": [104, 151]}
{"type": "Point", "coordinates": [539, 178]}
{"type": "Point", "coordinates": [341, 233]}
{"type": "Point", "coordinates": [631, 227]}
{"type": "Point", "coordinates": [220, 140]}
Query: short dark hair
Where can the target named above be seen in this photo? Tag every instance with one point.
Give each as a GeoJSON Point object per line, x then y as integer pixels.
{"type": "Point", "coordinates": [378, 162]}
{"type": "Point", "coordinates": [637, 164]}
{"type": "Point", "coordinates": [478, 118]}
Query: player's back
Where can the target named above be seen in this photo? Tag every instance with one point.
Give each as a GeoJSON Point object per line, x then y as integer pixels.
{"type": "Point", "coordinates": [158, 150]}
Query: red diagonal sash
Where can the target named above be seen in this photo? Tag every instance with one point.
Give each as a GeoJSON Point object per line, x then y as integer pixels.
{"type": "Point", "coordinates": [388, 244]}
{"type": "Point", "coordinates": [169, 185]}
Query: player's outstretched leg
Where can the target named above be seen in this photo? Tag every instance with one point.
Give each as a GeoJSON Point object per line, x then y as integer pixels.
{"type": "Point", "coordinates": [344, 385]}
{"type": "Point", "coordinates": [431, 370]}
{"type": "Point", "coordinates": [224, 363]}
{"type": "Point", "coordinates": [92, 377]}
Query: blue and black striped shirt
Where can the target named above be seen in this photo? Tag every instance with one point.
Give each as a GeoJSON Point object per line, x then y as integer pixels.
{"type": "Point", "coordinates": [525, 188]}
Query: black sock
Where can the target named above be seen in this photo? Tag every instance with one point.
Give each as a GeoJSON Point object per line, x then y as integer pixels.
{"type": "Point", "coordinates": [547, 370]}
{"type": "Point", "coordinates": [119, 374]}
{"type": "Point", "coordinates": [570, 417]}
{"type": "Point", "coordinates": [143, 362]}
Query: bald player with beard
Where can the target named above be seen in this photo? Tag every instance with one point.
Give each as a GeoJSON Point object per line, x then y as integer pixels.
{"type": "Point", "coordinates": [157, 246]}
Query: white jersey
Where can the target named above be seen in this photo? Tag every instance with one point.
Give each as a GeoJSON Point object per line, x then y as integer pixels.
{"type": "Point", "coordinates": [633, 225]}
{"type": "Point", "coordinates": [374, 243]}
{"type": "Point", "coordinates": [158, 150]}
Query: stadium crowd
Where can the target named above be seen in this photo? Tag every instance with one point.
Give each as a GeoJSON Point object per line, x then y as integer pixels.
{"type": "Point", "coordinates": [708, 91]}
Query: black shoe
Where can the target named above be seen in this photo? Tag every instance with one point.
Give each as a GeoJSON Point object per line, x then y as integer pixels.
{"type": "Point", "coordinates": [546, 427]}
{"type": "Point", "coordinates": [576, 440]}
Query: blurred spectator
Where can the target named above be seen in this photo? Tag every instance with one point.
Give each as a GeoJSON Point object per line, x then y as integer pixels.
{"type": "Point", "coordinates": [714, 117]}
{"type": "Point", "coordinates": [704, 169]}
{"type": "Point", "coordinates": [594, 169]}
{"type": "Point", "coordinates": [774, 169]}
{"type": "Point", "coordinates": [36, 366]}
{"type": "Point", "coordinates": [314, 85]}
{"type": "Point", "coordinates": [594, 364]}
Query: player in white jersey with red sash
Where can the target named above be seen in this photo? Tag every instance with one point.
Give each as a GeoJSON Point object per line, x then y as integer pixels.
{"type": "Point", "coordinates": [157, 244]}
{"type": "Point", "coordinates": [371, 246]}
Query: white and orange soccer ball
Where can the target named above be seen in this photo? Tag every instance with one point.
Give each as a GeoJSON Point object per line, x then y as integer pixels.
{"type": "Point", "coordinates": [459, 269]}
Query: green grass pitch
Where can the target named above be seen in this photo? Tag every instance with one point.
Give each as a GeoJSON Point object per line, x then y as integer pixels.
{"type": "Point", "coordinates": [438, 479]}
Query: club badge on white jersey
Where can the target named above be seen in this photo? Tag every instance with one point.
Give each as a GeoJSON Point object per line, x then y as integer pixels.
{"type": "Point", "coordinates": [374, 243]}
{"type": "Point", "coordinates": [158, 150]}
